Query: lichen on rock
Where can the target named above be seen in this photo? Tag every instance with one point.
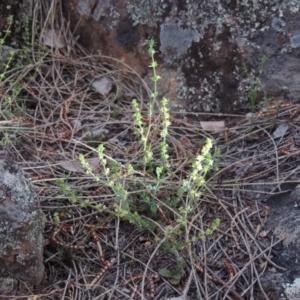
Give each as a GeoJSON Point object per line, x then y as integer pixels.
{"type": "Point", "coordinates": [175, 41]}
{"type": "Point", "coordinates": [206, 42]}
{"type": "Point", "coordinates": [149, 12]}
{"type": "Point", "coordinates": [21, 227]}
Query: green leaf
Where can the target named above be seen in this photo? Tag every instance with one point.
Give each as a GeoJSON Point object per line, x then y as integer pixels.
{"type": "Point", "coordinates": [175, 274]}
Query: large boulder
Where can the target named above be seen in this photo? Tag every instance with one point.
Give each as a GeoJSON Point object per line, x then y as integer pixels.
{"type": "Point", "coordinates": [209, 51]}
{"type": "Point", "coordinates": [284, 224]}
{"type": "Point", "coordinates": [21, 229]}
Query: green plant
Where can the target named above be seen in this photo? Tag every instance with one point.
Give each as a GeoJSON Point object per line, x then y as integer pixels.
{"type": "Point", "coordinates": [255, 82]}
{"type": "Point", "coordinates": [171, 274]}
{"type": "Point", "coordinates": [5, 141]}
{"type": "Point", "coordinates": [152, 173]}
{"type": "Point", "coordinates": [142, 131]}
{"type": "Point", "coordinates": [16, 75]}
{"type": "Point", "coordinates": [66, 190]}
{"type": "Point", "coordinates": [25, 55]}
{"type": "Point", "coordinates": [10, 21]}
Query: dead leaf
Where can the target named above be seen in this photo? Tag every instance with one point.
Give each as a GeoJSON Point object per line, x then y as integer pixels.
{"type": "Point", "coordinates": [147, 244]}
{"type": "Point", "coordinates": [54, 38]}
{"type": "Point", "coordinates": [213, 126]}
{"type": "Point", "coordinates": [76, 166]}
{"type": "Point", "coordinates": [103, 85]}
{"type": "Point", "coordinates": [263, 234]}
{"type": "Point", "coordinates": [280, 131]}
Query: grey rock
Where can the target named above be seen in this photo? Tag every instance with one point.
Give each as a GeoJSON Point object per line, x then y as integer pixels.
{"type": "Point", "coordinates": [284, 223]}
{"type": "Point", "coordinates": [6, 52]}
{"type": "Point", "coordinates": [203, 44]}
{"type": "Point", "coordinates": [175, 41]}
{"type": "Point", "coordinates": [21, 229]}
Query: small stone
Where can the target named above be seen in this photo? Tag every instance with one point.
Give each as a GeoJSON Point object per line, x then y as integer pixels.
{"type": "Point", "coordinates": [103, 85]}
